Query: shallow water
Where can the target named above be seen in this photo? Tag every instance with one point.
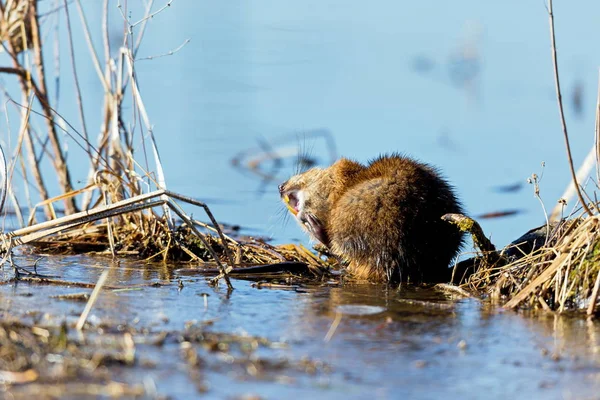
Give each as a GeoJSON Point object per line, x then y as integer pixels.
{"type": "Point", "coordinates": [466, 86]}
{"type": "Point", "coordinates": [421, 345]}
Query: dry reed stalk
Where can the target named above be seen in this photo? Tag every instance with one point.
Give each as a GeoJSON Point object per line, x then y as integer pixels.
{"type": "Point", "coordinates": [212, 229]}
{"type": "Point", "coordinates": [262, 248]}
{"type": "Point", "coordinates": [78, 95]}
{"type": "Point", "coordinates": [334, 325]}
{"type": "Point", "coordinates": [88, 38]}
{"type": "Point", "coordinates": [561, 111]}
{"type": "Point", "coordinates": [582, 173]}
{"type": "Point", "coordinates": [25, 136]}
{"type": "Point", "coordinates": [597, 132]}
{"type": "Point", "coordinates": [59, 162]}
{"type": "Point", "coordinates": [557, 277]}
{"type": "Point", "coordinates": [14, 24]}
{"type": "Point", "coordinates": [594, 297]}
{"type": "Point", "coordinates": [92, 300]}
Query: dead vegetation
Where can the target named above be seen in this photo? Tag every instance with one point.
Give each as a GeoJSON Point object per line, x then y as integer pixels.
{"type": "Point", "coordinates": [557, 273]}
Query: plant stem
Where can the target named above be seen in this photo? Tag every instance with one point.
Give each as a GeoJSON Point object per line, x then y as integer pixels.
{"type": "Point", "coordinates": [561, 111]}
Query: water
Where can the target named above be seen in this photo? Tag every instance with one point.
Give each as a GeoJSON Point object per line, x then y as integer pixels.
{"type": "Point", "coordinates": [466, 86]}
{"type": "Point", "coordinates": [422, 345]}
{"type": "Point", "coordinates": [264, 69]}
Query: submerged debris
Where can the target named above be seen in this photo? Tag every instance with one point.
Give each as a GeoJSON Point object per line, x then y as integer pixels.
{"type": "Point", "coordinates": [54, 362]}
{"type": "Point", "coordinates": [41, 356]}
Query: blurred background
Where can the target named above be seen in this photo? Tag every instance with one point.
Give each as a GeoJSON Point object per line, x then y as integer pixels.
{"type": "Point", "coordinates": [467, 86]}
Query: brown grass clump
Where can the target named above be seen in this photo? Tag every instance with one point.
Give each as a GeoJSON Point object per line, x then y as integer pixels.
{"type": "Point", "coordinates": [181, 245]}
{"type": "Point", "coordinates": [561, 274]}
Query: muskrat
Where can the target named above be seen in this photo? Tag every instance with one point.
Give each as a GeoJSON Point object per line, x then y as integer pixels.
{"type": "Point", "coordinates": [383, 218]}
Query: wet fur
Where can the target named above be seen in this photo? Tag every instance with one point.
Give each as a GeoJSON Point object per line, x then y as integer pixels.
{"type": "Point", "coordinates": [383, 218]}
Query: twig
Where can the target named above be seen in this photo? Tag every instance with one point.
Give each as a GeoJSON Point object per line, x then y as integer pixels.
{"type": "Point", "coordinates": [56, 49]}
{"type": "Point", "coordinates": [469, 225]}
{"type": "Point", "coordinates": [597, 131]}
{"type": "Point", "coordinates": [92, 300]}
{"type": "Point", "coordinates": [536, 192]}
{"type": "Point", "coordinates": [169, 53]}
{"type": "Point", "coordinates": [150, 16]}
{"type": "Point", "coordinates": [594, 298]}
{"type": "Point", "coordinates": [333, 327]}
{"type": "Point", "coordinates": [90, 43]}
{"type": "Point", "coordinates": [49, 117]}
{"type": "Point", "coordinates": [25, 135]}
{"type": "Point", "coordinates": [561, 111]}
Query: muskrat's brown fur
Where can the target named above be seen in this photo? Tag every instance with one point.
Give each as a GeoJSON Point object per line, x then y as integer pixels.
{"type": "Point", "coordinates": [383, 218]}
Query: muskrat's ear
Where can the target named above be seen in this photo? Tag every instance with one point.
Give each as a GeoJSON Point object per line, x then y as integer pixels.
{"type": "Point", "coordinates": [347, 169]}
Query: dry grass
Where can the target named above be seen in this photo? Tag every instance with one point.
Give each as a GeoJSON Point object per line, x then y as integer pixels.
{"type": "Point", "coordinates": [563, 274]}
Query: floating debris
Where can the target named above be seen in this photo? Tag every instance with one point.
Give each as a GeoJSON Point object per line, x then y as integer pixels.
{"type": "Point", "coordinates": [510, 188]}
{"type": "Point", "coordinates": [359, 309]}
{"type": "Point", "coordinates": [500, 214]}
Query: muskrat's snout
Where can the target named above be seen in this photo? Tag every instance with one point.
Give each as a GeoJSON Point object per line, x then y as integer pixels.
{"type": "Point", "coordinates": [290, 198]}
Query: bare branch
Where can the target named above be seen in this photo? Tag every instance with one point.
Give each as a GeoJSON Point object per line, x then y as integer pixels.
{"type": "Point", "coordinates": [169, 53]}
{"type": "Point", "coordinates": [150, 16]}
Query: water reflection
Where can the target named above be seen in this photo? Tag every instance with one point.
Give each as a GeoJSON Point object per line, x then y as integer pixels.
{"type": "Point", "coordinates": [423, 344]}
